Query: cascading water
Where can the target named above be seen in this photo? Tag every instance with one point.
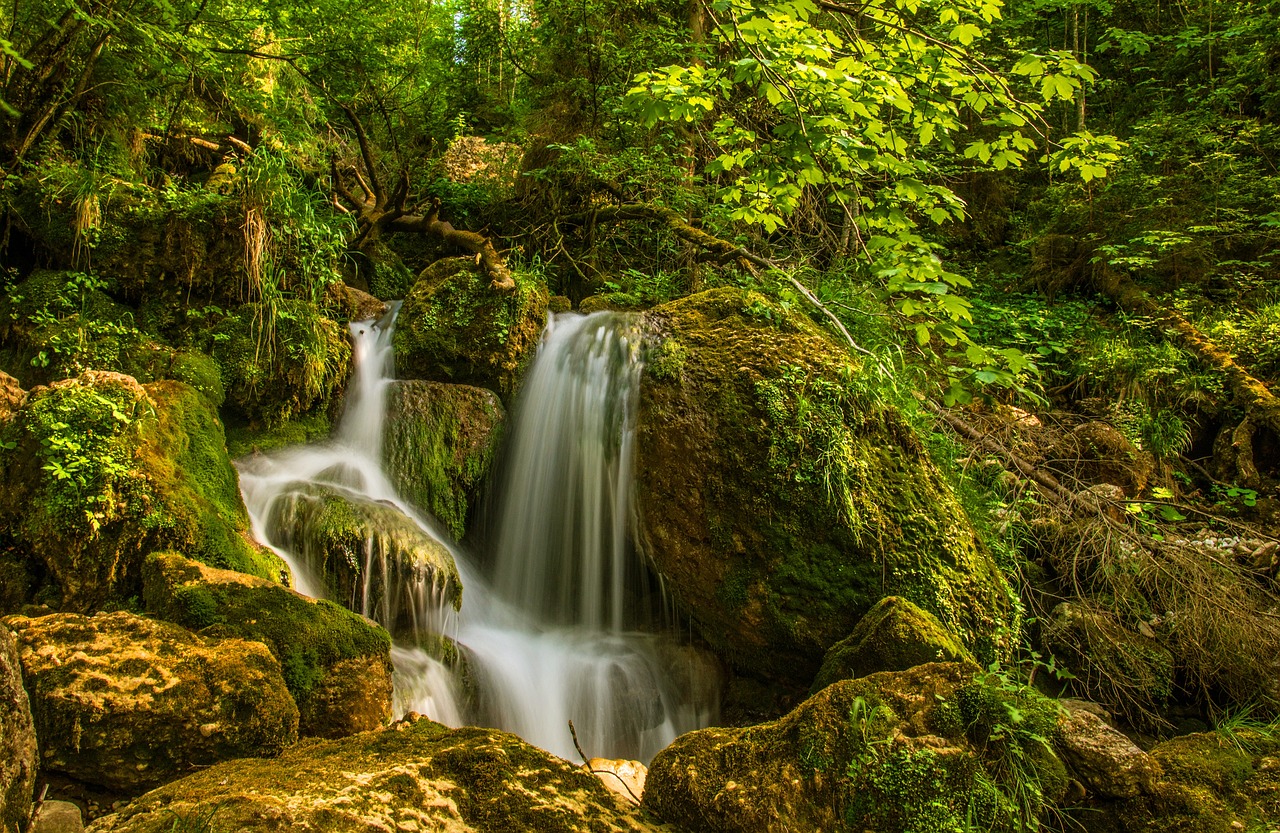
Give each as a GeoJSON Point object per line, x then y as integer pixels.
{"type": "Point", "coordinates": [546, 636]}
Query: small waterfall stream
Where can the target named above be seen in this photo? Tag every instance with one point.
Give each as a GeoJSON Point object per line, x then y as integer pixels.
{"type": "Point", "coordinates": [549, 630]}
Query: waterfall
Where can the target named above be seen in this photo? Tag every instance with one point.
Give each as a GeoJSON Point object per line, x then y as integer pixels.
{"type": "Point", "coordinates": [548, 629]}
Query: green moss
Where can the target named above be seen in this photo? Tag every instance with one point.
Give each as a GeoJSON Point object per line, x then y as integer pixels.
{"type": "Point", "coordinates": [439, 444]}
{"type": "Point", "coordinates": [454, 327]}
{"type": "Point", "coordinates": [825, 500]}
{"type": "Point", "coordinates": [244, 439]}
{"type": "Point", "coordinates": [280, 361]}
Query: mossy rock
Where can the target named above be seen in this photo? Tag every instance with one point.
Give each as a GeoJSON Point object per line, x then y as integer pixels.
{"type": "Point", "coordinates": [104, 470]}
{"type": "Point", "coordinates": [780, 504]}
{"type": "Point", "coordinates": [336, 664]}
{"type": "Point", "coordinates": [275, 373]}
{"type": "Point", "coordinates": [439, 443]}
{"type": "Point", "coordinates": [415, 775]}
{"type": "Point", "coordinates": [362, 549]}
{"type": "Point", "coordinates": [18, 759]}
{"type": "Point", "coordinates": [892, 752]}
{"type": "Point", "coordinates": [894, 636]}
{"type": "Point", "coordinates": [127, 703]}
{"type": "Point", "coordinates": [380, 271]}
{"type": "Point", "coordinates": [611, 301]}
{"type": "Point", "coordinates": [454, 327]}
{"type": "Point", "coordinates": [244, 439]}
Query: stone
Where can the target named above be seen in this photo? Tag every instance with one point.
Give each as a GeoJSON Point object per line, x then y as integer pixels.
{"type": "Point", "coordinates": [58, 817]}
{"type": "Point", "coordinates": [1103, 759]}
{"type": "Point", "coordinates": [453, 327]}
{"type": "Point", "coordinates": [780, 504]}
{"type": "Point", "coordinates": [626, 778]}
{"type": "Point", "coordinates": [1096, 453]}
{"type": "Point", "coordinates": [358, 305]}
{"type": "Point", "coordinates": [891, 752]}
{"type": "Point", "coordinates": [363, 549]}
{"type": "Point", "coordinates": [18, 760]}
{"type": "Point", "coordinates": [894, 635]}
{"type": "Point", "coordinates": [440, 443]}
{"type": "Point", "coordinates": [1099, 650]}
{"type": "Point", "coordinates": [336, 664]}
{"type": "Point", "coordinates": [119, 700]}
{"type": "Point", "coordinates": [414, 775]}
{"type": "Point", "coordinates": [12, 397]}
{"type": "Point", "coordinates": [151, 472]}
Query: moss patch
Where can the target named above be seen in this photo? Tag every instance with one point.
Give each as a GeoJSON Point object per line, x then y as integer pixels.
{"type": "Point", "coordinates": [439, 444]}
{"type": "Point", "coordinates": [779, 505]}
{"type": "Point", "coordinates": [454, 328]}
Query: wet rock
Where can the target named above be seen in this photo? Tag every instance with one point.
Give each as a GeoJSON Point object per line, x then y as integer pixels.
{"type": "Point", "coordinates": [336, 664]}
{"type": "Point", "coordinates": [894, 636]}
{"type": "Point", "coordinates": [58, 817]}
{"type": "Point", "coordinates": [147, 469]}
{"type": "Point", "coordinates": [439, 444]}
{"type": "Point", "coordinates": [128, 703]}
{"type": "Point", "coordinates": [779, 504]}
{"type": "Point", "coordinates": [357, 304]}
{"type": "Point", "coordinates": [17, 740]}
{"type": "Point", "coordinates": [366, 551]}
{"type": "Point", "coordinates": [1096, 453]}
{"type": "Point", "coordinates": [415, 775]}
{"type": "Point", "coordinates": [1105, 761]}
{"type": "Point", "coordinates": [891, 752]}
{"type": "Point", "coordinates": [625, 778]}
{"type": "Point", "coordinates": [454, 327]}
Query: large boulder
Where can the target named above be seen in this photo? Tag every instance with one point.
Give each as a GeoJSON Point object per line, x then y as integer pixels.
{"type": "Point", "coordinates": [894, 636]}
{"type": "Point", "coordinates": [1107, 763]}
{"type": "Point", "coordinates": [415, 775]}
{"type": "Point", "coordinates": [926, 749]}
{"type": "Point", "coordinates": [780, 501]}
{"type": "Point", "coordinates": [454, 327]}
{"type": "Point", "coordinates": [102, 470]}
{"type": "Point", "coordinates": [128, 703]}
{"type": "Point", "coordinates": [1096, 453]}
{"type": "Point", "coordinates": [439, 443]}
{"type": "Point", "coordinates": [336, 664]}
{"type": "Point", "coordinates": [17, 740]}
{"type": "Point", "coordinates": [370, 556]}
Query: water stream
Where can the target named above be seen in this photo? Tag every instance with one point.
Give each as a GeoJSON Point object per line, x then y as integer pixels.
{"type": "Point", "coordinates": [556, 622]}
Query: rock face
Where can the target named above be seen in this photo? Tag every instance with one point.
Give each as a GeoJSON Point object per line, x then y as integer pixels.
{"type": "Point", "coordinates": [439, 444]}
{"type": "Point", "coordinates": [454, 328]}
{"type": "Point", "coordinates": [894, 636]}
{"type": "Point", "coordinates": [104, 470]}
{"type": "Point", "coordinates": [414, 775]}
{"type": "Point", "coordinates": [923, 749]}
{"type": "Point", "coordinates": [780, 504]}
{"type": "Point", "coordinates": [17, 740]}
{"type": "Point", "coordinates": [370, 555]}
{"type": "Point", "coordinates": [336, 665]}
{"type": "Point", "coordinates": [1107, 762]}
{"type": "Point", "coordinates": [128, 703]}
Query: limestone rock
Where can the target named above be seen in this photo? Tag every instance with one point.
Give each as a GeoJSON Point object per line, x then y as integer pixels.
{"type": "Point", "coordinates": [151, 471]}
{"type": "Point", "coordinates": [454, 328]}
{"type": "Point", "coordinates": [128, 703]}
{"type": "Point", "coordinates": [894, 636]}
{"type": "Point", "coordinates": [58, 817]}
{"type": "Point", "coordinates": [439, 444]}
{"type": "Point", "coordinates": [415, 775]}
{"type": "Point", "coordinates": [336, 664]}
{"type": "Point", "coordinates": [1107, 762]}
{"type": "Point", "coordinates": [358, 305]}
{"type": "Point", "coordinates": [17, 740]}
{"type": "Point", "coordinates": [891, 752]}
{"type": "Point", "coordinates": [1096, 453]}
{"type": "Point", "coordinates": [364, 549]}
{"type": "Point", "coordinates": [779, 505]}
{"type": "Point", "coordinates": [626, 778]}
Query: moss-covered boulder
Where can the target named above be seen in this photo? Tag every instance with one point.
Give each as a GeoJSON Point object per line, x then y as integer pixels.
{"type": "Point", "coordinates": [780, 502]}
{"type": "Point", "coordinates": [454, 327]}
{"type": "Point", "coordinates": [439, 443]}
{"type": "Point", "coordinates": [415, 775]}
{"type": "Point", "coordinates": [894, 636]}
{"type": "Point", "coordinates": [336, 664]}
{"type": "Point", "coordinates": [103, 470]}
{"type": "Point", "coordinates": [369, 555]}
{"type": "Point", "coordinates": [128, 703]}
{"type": "Point", "coordinates": [923, 749]}
{"type": "Point", "coordinates": [1096, 453]}
{"type": "Point", "coordinates": [17, 740]}
{"type": "Point", "coordinates": [282, 361]}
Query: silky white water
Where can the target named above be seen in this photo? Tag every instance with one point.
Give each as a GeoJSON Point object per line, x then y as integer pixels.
{"type": "Point", "coordinates": [548, 630]}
